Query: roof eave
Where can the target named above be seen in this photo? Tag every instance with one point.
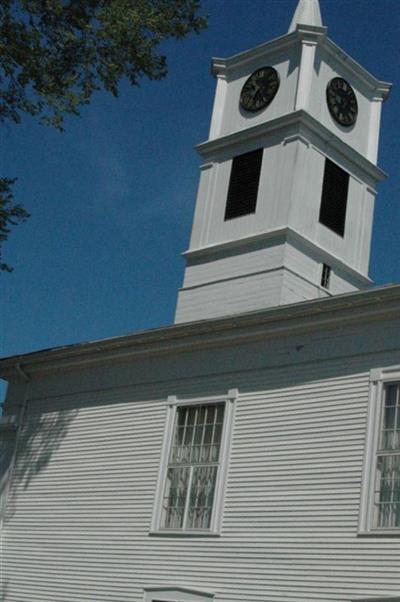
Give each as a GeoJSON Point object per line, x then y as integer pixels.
{"type": "Point", "coordinates": [381, 88]}
{"type": "Point", "coordinates": [367, 305]}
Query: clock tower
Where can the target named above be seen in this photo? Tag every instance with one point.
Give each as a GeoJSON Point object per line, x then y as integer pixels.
{"type": "Point", "coordinates": [287, 186]}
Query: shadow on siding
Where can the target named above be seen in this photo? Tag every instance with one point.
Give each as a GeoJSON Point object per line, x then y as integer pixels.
{"type": "Point", "coordinates": [40, 436]}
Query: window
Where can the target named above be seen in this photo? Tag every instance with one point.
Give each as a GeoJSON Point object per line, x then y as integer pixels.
{"type": "Point", "coordinates": [193, 466]}
{"type": "Point", "coordinates": [326, 276]}
{"type": "Point", "coordinates": [381, 496]}
{"type": "Point", "coordinates": [334, 197]}
{"type": "Point", "coordinates": [387, 492]}
{"type": "Point", "coordinates": [243, 184]}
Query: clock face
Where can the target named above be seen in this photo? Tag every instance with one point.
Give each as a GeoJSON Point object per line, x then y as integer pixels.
{"type": "Point", "coordinates": [259, 90]}
{"type": "Point", "coordinates": [342, 102]}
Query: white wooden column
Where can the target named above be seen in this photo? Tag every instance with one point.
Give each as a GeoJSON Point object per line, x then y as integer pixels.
{"type": "Point", "coordinates": [374, 125]}
{"type": "Point", "coordinates": [305, 75]}
{"type": "Point", "coordinates": [218, 109]}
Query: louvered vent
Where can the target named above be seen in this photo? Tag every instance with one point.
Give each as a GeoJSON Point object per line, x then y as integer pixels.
{"type": "Point", "coordinates": [334, 197]}
{"type": "Point", "coordinates": [243, 185]}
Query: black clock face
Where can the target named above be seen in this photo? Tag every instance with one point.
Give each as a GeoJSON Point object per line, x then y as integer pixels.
{"type": "Point", "coordinates": [342, 102]}
{"type": "Point", "coordinates": [259, 90]}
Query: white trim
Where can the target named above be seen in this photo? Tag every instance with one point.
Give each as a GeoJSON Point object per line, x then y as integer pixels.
{"type": "Point", "coordinates": [374, 129]}
{"type": "Point", "coordinates": [169, 422]}
{"type": "Point", "coordinates": [223, 66]}
{"type": "Point", "coordinates": [378, 378]}
{"type": "Point", "coordinates": [295, 122]}
{"type": "Point", "coordinates": [281, 268]}
{"type": "Point", "coordinates": [382, 302]}
{"type": "Point", "coordinates": [377, 599]}
{"type": "Point", "coordinates": [172, 403]}
{"type": "Point", "coordinates": [177, 594]}
{"type": "Point", "coordinates": [380, 88]}
{"type": "Point", "coordinates": [391, 373]}
{"type": "Point", "coordinates": [303, 33]}
{"type": "Point", "coordinates": [305, 74]}
{"type": "Point", "coordinates": [276, 236]}
{"type": "Point", "coordinates": [218, 109]}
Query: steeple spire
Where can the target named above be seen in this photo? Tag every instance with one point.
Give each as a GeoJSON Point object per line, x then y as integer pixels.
{"type": "Point", "coordinates": [306, 13]}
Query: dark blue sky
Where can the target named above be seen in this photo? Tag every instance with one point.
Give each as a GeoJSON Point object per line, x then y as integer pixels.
{"type": "Point", "coordinates": [112, 198]}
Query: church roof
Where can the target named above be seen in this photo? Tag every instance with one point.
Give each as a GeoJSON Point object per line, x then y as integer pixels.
{"type": "Point", "coordinates": [306, 13]}
{"type": "Point", "coordinates": [378, 303]}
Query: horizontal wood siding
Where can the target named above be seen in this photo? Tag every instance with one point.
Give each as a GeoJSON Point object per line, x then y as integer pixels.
{"type": "Point", "coordinates": [80, 506]}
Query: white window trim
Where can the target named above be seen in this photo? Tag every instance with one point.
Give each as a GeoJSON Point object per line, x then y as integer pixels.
{"type": "Point", "coordinates": [176, 594]}
{"type": "Point", "coordinates": [377, 599]}
{"type": "Point", "coordinates": [379, 377]}
{"type": "Point", "coordinates": [216, 518]}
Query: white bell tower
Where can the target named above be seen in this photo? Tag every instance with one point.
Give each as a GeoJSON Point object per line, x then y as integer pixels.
{"type": "Point", "coordinates": [287, 186]}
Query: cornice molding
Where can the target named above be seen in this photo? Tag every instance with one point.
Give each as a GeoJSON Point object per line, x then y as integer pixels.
{"type": "Point", "coordinates": [381, 88]}
{"type": "Point", "coordinates": [221, 67]}
{"type": "Point", "coordinates": [279, 236]}
{"type": "Point", "coordinates": [329, 312]}
{"type": "Point", "coordinates": [303, 123]}
{"type": "Point", "coordinates": [300, 240]}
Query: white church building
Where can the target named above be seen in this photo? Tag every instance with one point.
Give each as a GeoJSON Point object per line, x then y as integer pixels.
{"type": "Point", "coordinates": [250, 452]}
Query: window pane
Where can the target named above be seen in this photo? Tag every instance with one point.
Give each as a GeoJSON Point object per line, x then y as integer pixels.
{"type": "Point", "coordinates": [202, 497]}
{"type": "Point", "coordinates": [390, 438]}
{"type": "Point", "coordinates": [220, 413]}
{"type": "Point", "coordinates": [192, 412]}
{"type": "Point", "coordinates": [217, 433]}
{"type": "Point", "coordinates": [197, 435]}
{"type": "Point", "coordinates": [388, 491]}
{"type": "Point", "coordinates": [181, 416]}
{"type": "Point", "coordinates": [210, 414]}
{"type": "Point", "coordinates": [175, 498]}
{"type": "Point", "coordinates": [201, 416]}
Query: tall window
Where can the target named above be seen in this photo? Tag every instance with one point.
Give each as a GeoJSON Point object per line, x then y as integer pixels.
{"type": "Point", "coordinates": [334, 197]}
{"type": "Point", "coordinates": [193, 466]}
{"type": "Point", "coordinates": [243, 184]}
{"type": "Point", "coordinates": [380, 501]}
{"type": "Point", "coordinates": [387, 488]}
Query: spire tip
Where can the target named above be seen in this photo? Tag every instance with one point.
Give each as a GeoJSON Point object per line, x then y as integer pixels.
{"type": "Point", "coordinates": [307, 12]}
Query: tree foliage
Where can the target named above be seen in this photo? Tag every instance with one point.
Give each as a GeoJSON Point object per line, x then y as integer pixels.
{"type": "Point", "coordinates": [54, 54]}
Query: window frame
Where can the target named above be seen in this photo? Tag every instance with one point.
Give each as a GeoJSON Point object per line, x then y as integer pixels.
{"type": "Point", "coordinates": [173, 403]}
{"type": "Point", "coordinates": [379, 378]}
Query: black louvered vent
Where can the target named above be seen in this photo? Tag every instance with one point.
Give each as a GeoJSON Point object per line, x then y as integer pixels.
{"type": "Point", "coordinates": [334, 197]}
{"type": "Point", "coordinates": [243, 185]}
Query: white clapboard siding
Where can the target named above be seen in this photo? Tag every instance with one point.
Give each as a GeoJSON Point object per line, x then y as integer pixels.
{"type": "Point", "coordinates": [81, 500]}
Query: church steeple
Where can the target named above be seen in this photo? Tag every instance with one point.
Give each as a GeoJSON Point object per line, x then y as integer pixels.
{"type": "Point", "coordinates": [307, 13]}
{"type": "Point", "coordinates": [288, 181]}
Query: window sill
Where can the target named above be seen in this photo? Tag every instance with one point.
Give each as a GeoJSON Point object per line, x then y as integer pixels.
{"type": "Point", "coordinates": [183, 534]}
{"type": "Point", "coordinates": [380, 533]}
